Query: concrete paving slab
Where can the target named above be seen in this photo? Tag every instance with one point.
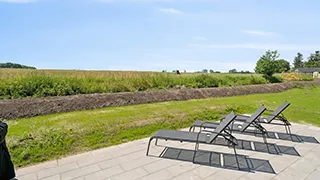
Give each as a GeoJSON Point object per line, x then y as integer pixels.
{"type": "Point", "coordinates": [173, 160]}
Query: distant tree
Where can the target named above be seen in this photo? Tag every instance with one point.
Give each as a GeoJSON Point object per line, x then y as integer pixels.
{"type": "Point", "coordinates": [282, 66]}
{"type": "Point", "coordinates": [211, 71]}
{"type": "Point", "coordinates": [266, 65]}
{"type": "Point", "coordinates": [298, 61]}
{"type": "Point", "coordinates": [164, 71]}
{"type": "Point", "coordinates": [313, 60]}
{"type": "Point", "coordinates": [15, 65]}
{"type": "Point", "coordinates": [233, 71]}
{"type": "Point", "coordinates": [217, 72]}
{"type": "Point", "coordinates": [205, 70]}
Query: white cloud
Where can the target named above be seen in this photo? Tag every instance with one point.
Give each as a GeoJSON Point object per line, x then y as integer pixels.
{"type": "Point", "coordinates": [158, 1]}
{"type": "Point", "coordinates": [289, 47]}
{"type": "Point", "coordinates": [134, 1]}
{"type": "Point", "coordinates": [170, 11]}
{"type": "Point", "coordinates": [18, 1]}
{"type": "Point", "coordinates": [261, 33]}
{"type": "Point", "coordinates": [200, 38]}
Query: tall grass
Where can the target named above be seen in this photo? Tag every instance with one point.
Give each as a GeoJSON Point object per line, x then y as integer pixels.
{"type": "Point", "coordinates": [41, 83]}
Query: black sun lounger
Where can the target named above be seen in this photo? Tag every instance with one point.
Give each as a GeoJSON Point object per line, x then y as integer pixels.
{"type": "Point", "coordinates": [275, 115]}
{"type": "Point", "coordinates": [251, 121]}
{"type": "Point", "coordinates": [220, 136]}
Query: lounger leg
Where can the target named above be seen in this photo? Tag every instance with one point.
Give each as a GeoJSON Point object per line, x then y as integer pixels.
{"type": "Point", "coordinates": [156, 142]}
{"type": "Point", "coordinates": [290, 132]}
{"type": "Point", "coordinates": [191, 128]}
{"type": "Point", "coordinates": [266, 142]}
{"type": "Point", "coordinates": [195, 151]}
{"type": "Point", "coordinates": [235, 153]}
{"type": "Point", "coordinates": [149, 146]}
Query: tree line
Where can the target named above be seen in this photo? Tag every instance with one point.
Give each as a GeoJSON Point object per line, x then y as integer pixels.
{"type": "Point", "coordinates": [270, 63]}
{"type": "Point", "coordinates": [313, 61]}
{"type": "Point", "coordinates": [15, 65]}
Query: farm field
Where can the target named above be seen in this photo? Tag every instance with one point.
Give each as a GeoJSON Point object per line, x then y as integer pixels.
{"type": "Point", "coordinates": [43, 138]}
{"type": "Point", "coordinates": [20, 83]}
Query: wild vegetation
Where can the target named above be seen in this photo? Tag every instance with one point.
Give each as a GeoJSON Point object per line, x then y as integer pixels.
{"type": "Point", "coordinates": [41, 83]}
{"type": "Point", "coordinates": [43, 138]}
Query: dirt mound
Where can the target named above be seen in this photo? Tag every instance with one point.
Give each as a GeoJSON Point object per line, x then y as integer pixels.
{"type": "Point", "coordinates": [30, 107]}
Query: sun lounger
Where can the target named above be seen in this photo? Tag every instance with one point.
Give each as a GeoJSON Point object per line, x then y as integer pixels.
{"type": "Point", "coordinates": [275, 115]}
{"type": "Point", "coordinates": [220, 136]}
{"type": "Point", "coordinates": [251, 121]}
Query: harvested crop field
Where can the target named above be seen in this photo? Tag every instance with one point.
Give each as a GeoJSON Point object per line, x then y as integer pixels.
{"type": "Point", "coordinates": [30, 107]}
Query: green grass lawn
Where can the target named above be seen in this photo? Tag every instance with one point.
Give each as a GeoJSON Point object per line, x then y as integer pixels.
{"type": "Point", "coordinates": [42, 138]}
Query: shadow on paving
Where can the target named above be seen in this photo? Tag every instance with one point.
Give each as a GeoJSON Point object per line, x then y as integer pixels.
{"type": "Point", "coordinates": [262, 147]}
{"type": "Point", "coordinates": [217, 159]}
{"type": "Point", "coordinates": [293, 137]}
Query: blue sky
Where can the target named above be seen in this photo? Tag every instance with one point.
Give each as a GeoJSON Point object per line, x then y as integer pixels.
{"type": "Point", "coordinates": [155, 34]}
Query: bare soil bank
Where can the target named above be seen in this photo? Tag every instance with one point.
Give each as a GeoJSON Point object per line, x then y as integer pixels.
{"type": "Point", "coordinates": [30, 107]}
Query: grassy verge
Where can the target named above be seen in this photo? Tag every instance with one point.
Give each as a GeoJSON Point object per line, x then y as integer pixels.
{"type": "Point", "coordinates": [43, 138]}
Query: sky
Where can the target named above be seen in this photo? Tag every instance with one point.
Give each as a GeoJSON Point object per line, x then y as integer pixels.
{"type": "Point", "coordinates": [155, 35]}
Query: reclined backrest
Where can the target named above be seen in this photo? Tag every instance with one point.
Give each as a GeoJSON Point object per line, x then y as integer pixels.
{"type": "Point", "coordinates": [223, 125]}
{"type": "Point", "coordinates": [253, 117]}
{"type": "Point", "coordinates": [278, 111]}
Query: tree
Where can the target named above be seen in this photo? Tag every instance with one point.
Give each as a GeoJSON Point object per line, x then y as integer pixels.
{"type": "Point", "coordinates": [244, 72]}
{"type": "Point", "coordinates": [313, 60]}
{"type": "Point", "coordinates": [266, 65]}
{"type": "Point", "coordinates": [233, 71]}
{"type": "Point", "coordinates": [282, 66]}
{"type": "Point", "coordinates": [205, 71]}
{"type": "Point", "coordinates": [298, 61]}
{"type": "Point", "coordinates": [15, 65]}
{"type": "Point", "coordinates": [211, 71]}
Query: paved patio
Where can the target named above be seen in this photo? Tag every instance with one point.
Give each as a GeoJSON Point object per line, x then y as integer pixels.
{"type": "Point", "coordinates": [285, 160]}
